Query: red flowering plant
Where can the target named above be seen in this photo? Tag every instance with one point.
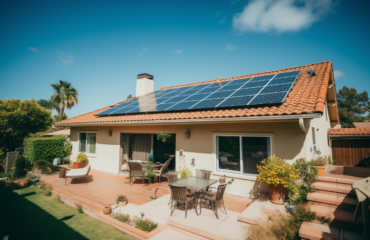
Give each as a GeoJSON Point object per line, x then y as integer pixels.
{"type": "Point", "coordinates": [274, 170]}
{"type": "Point", "coordinates": [145, 224]}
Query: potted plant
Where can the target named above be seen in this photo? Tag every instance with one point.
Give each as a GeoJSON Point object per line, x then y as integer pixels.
{"type": "Point", "coordinates": [222, 180]}
{"type": "Point", "coordinates": [277, 174]}
{"type": "Point", "coordinates": [163, 136]}
{"type": "Point", "coordinates": [122, 200]}
{"type": "Point", "coordinates": [185, 172]}
{"type": "Point", "coordinates": [148, 172]}
{"type": "Point", "coordinates": [81, 158]}
{"type": "Point", "coordinates": [320, 164]}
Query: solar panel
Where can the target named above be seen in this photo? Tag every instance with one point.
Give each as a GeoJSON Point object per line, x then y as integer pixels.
{"type": "Point", "coordinates": [259, 90]}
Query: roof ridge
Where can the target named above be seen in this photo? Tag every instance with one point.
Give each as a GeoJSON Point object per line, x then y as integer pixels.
{"type": "Point", "coordinates": [240, 77]}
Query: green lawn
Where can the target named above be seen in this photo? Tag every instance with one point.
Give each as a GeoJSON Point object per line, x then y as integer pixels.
{"type": "Point", "coordinates": [28, 214]}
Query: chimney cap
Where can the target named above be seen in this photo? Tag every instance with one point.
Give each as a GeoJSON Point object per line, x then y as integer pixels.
{"type": "Point", "coordinates": [145, 75]}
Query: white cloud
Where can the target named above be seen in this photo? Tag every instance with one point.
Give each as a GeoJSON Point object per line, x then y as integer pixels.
{"type": "Point", "coordinates": [65, 59]}
{"type": "Point", "coordinates": [222, 20]}
{"type": "Point", "coordinates": [281, 15]}
{"type": "Point", "coordinates": [143, 50]}
{"type": "Point", "coordinates": [232, 2]}
{"type": "Point", "coordinates": [178, 51]}
{"type": "Point", "coordinates": [230, 47]}
{"type": "Point", "coordinates": [338, 74]}
{"type": "Point", "coordinates": [33, 49]}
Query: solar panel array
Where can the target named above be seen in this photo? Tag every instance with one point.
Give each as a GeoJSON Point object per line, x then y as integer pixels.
{"type": "Point", "coordinates": [267, 89]}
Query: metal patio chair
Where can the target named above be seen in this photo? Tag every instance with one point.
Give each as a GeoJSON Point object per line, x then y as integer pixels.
{"type": "Point", "coordinates": [136, 170]}
{"type": "Point", "coordinates": [161, 171]}
{"type": "Point", "coordinates": [172, 177]}
{"type": "Point", "coordinates": [215, 199]}
{"type": "Point", "coordinates": [179, 196]}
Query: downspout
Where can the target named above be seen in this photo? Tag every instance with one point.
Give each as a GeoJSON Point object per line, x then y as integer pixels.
{"type": "Point", "coordinates": [301, 124]}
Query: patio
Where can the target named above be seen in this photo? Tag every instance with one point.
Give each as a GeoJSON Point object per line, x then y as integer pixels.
{"type": "Point", "coordinates": [103, 188]}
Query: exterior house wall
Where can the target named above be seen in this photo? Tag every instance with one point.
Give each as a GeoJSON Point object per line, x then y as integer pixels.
{"type": "Point", "coordinates": [288, 142]}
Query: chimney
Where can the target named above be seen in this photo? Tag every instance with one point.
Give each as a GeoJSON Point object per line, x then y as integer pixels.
{"type": "Point", "coordinates": [144, 84]}
{"type": "Point", "coordinates": [311, 72]}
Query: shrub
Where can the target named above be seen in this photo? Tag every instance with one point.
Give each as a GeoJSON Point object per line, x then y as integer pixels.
{"type": "Point", "coordinates": [283, 226]}
{"type": "Point", "coordinates": [44, 167]}
{"type": "Point", "coordinates": [79, 208]}
{"type": "Point", "coordinates": [298, 189]}
{"type": "Point", "coordinates": [37, 148]}
{"type": "Point", "coordinates": [18, 169]}
{"type": "Point", "coordinates": [59, 199]}
{"type": "Point", "coordinates": [32, 177]}
{"type": "Point", "coordinates": [144, 224]}
{"type": "Point", "coordinates": [320, 161]}
{"type": "Point", "coordinates": [81, 157]}
{"type": "Point", "coordinates": [4, 175]}
{"type": "Point", "coordinates": [48, 191]}
{"type": "Point", "coordinates": [122, 217]}
{"type": "Point", "coordinates": [276, 171]}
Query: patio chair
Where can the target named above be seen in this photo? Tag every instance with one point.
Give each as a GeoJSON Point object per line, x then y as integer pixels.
{"type": "Point", "coordinates": [179, 195]}
{"type": "Point", "coordinates": [171, 177]}
{"type": "Point", "coordinates": [78, 173]}
{"type": "Point", "coordinates": [162, 170]}
{"type": "Point", "coordinates": [215, 199]}
{"type": "Point", "coordinates": [136, 170]}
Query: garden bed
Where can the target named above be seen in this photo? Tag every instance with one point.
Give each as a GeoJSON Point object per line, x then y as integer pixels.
{"type": "Point", "coordinates": [110, 219]}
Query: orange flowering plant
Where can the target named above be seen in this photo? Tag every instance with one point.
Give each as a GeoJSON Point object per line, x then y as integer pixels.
{"type": "Point", "coordinates": [274, 170]}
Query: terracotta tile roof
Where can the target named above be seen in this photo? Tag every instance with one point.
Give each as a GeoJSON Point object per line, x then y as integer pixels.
{"type": "Point", "coordinates": [308, 95]}
{"type": "Point", "coordinates": [350, 132]}
{"type": "Point", "coordinates": [361, 124]}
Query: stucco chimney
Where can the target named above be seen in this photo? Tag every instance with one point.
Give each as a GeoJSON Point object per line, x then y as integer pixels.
{"type": "Point", "coordinates": [144, 84]}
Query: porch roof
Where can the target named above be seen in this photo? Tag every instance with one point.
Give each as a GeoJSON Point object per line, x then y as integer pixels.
{"type": "Point", "coordinates": [307, 96]}
{"type": "Point", "coordinates": [350, 132]}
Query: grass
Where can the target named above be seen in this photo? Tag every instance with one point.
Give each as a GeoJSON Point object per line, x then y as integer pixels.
{"type": "Point", "coordinates": [28, 214]}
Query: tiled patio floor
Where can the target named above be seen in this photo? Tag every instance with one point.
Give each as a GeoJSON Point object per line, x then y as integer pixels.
{"type": "Point", "coordinates": [104, 188]}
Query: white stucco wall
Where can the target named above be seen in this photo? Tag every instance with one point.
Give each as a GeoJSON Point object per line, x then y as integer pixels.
{"type": "Point", "coordinates": [288, 142]}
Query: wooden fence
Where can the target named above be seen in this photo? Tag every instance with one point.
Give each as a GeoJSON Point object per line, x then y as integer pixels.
{"type": "Point", "coordinates": [350, 152]}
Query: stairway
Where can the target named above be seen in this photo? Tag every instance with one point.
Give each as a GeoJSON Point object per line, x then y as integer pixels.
{"type": "Point", "coordinates": [335, 199]}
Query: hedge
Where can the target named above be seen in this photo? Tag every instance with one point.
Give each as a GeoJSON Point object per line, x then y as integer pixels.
{"type": "Point", "coordinates": [44, 148]}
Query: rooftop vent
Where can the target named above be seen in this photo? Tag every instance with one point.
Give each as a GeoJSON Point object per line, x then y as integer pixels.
{"type": "Point", "coordinates": [311, 72]}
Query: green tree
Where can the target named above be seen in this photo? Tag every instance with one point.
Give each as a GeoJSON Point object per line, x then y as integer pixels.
{"type": "Point", "coordinates": [57, 119]}
{"type": "Point", "coordinates": [352, 106]}
{"type": "Point", "coordinates": [65, 95]}
{"type": "Point", "coordinates": [49, 104]}
{"type": "Point", "coordinates": [18, 119]}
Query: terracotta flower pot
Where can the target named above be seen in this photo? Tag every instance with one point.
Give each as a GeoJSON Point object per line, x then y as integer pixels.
{"type": "Point", "coordinates": [122, 204]}
{"type": "Point", "coordinates": [107, 210]}
{"type": "Point", "coordinates": [164, 139]}
{"type": "Point", "coordinates": [277, 193]}
{"type": "Point", "coordinates": [24, 183]}
{"type": "Point", "coordinates": [321, 170]}
{"type": "Point", "coordinates": [77, 165]}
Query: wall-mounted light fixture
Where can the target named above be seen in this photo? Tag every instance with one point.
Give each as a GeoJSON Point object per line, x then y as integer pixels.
{"type": "Point", "coordinates": [110, 133]}
{"type": "Point", "coordinates": [187, 134]}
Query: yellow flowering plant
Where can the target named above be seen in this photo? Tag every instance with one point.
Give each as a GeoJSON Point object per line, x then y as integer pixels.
{"type": "Point", "coordinates": [274, 170]}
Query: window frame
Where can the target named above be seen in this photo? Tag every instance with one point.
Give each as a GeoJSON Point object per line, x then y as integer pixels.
{"type": "Point", "coordinates": [96, 143]}
{"type": "Point", "coordinates": [240, 173]}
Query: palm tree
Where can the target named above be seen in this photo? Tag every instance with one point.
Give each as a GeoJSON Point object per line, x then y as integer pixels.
{"type": "Point", "coordinates": [65, 95]}
{"type": "Point", "coordinates": [49, 104]}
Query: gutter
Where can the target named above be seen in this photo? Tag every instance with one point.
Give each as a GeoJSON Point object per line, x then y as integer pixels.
{"type": "Point", "coordinates": [195, 121]}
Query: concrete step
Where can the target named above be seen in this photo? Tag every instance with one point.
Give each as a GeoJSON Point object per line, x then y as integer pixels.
{"type": "Point", "coordinates": [336, 215]}
{"type": "Point", "coordinates": [348, 181]}
{"type": "Point", "coordinates": [314, 231]}
{"type": "Point", "coordinates": [333, 187]}
{"type": "Point", "coordinates": [334, 200]}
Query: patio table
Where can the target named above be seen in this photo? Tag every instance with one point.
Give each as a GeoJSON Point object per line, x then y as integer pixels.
{"type": "Point", "coordinates": [195, 184]}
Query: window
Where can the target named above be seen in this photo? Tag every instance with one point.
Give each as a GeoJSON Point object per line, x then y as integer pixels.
{"type": "Point", "coordinates": [88, 143]}
{"type": "Point", "coordinates": [241, 154]}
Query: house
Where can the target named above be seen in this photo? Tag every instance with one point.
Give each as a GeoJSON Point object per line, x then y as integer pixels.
{"type": "Point", "coordinates": [64, 132]}
{"type": "Point", "coordinates": [361, 124]}
{"type": "Point", "coordinates": [228, 140]}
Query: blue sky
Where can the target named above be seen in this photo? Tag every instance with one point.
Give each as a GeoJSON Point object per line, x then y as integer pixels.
{"type": "Point", "coordinates": [100, 46]}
